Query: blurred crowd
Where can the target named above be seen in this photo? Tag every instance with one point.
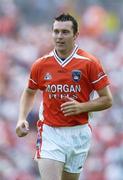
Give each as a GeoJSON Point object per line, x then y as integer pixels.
{"type": "Point", "coordinates": [25, 35]}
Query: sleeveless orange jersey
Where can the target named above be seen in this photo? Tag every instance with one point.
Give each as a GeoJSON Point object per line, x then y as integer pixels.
{"type": "Point", "coordinates": [76, 77]}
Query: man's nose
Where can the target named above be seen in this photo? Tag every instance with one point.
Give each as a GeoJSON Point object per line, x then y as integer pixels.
{"type": "Point", "coordinates": [60, 35]}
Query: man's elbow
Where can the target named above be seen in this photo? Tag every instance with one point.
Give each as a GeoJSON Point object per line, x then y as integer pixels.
{"type": "Point", "coordinates": [109, 102]}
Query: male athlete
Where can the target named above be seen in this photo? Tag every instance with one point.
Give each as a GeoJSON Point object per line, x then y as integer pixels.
{"type": "Point", "coordinates": [68, 77]}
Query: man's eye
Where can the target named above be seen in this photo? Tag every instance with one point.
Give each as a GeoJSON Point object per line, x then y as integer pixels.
{"type": "Point", "coordinates": [65, 32]}
{"type": "Point", "coordinates": [56, 32]}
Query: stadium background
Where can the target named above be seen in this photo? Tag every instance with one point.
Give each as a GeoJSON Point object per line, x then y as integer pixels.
{"type": "Point", "coordinates": [25, 34]}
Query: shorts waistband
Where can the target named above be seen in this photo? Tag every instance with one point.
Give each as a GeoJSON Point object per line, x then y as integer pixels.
{"type": "Point", "coordinates": [68, 127]}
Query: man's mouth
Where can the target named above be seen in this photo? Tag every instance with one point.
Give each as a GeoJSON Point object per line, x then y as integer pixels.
{"type": "Point", "coordinates": [60, 43]}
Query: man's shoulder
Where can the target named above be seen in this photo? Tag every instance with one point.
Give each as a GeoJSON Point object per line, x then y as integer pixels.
{"type": "Point", "coordinates": [43, 59]}
{"type": "Point", "coordinates": [86, 55]}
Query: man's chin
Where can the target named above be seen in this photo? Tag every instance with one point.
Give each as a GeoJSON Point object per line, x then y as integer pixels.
{"type": "Point", "coordinates": [60, 48]}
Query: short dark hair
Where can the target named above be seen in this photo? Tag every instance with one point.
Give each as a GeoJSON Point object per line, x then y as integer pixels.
{"type": "Point", "coordinates": [67, 17]}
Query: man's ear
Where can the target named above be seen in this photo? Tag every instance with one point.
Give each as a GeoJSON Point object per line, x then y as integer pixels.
{"type": "Point", "coordinates": [76, 35]}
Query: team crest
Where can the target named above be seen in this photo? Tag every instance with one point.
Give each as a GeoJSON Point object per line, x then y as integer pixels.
{"type": "Point", "coordinates": [48, 76]}
{"type": "Point", "coordinates": [76, 75]}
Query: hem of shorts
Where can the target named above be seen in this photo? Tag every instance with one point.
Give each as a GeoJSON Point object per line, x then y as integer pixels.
{"type": "Point", "coordinates": [42, 157]}
{"type": "Point", "coordinates": [74, 172]}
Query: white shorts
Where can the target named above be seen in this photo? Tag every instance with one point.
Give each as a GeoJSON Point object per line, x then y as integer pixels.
{"type": "Point", "coordinates": [66, 144]}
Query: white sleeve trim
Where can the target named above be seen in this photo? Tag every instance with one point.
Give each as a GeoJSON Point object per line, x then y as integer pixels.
{"type": "Point", "coordinates": [99, 79]}
{"type": "Point", "coordinates": [33, 81]}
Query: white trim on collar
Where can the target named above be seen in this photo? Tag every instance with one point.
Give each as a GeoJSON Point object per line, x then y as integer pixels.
{"type": "Point", "coordinates": [68, 59]}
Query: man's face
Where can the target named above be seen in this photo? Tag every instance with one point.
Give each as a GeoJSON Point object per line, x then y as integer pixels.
{"type": "Point", "coordinates": [63, 36]}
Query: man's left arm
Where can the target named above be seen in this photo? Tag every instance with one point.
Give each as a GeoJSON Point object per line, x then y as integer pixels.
{"type": "Point", "coordinates": [104, 101]}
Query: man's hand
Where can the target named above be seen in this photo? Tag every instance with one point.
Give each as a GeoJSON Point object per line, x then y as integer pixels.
{"type": "Point", "coordinates": [22, 128]}
{"type": "Point", "coordinates": [71, 107]}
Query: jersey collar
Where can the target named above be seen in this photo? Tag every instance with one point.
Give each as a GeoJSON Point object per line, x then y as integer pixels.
{"type": "Point", "coordinates": [68, 59]}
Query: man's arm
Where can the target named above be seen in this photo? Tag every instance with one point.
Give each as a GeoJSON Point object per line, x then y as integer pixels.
{"type": "Point", "coordinates": [104, 101]}
{"type": "Point", "coordinates": [26, 105]}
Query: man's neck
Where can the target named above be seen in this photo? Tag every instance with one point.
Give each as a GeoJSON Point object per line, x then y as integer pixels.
{"type": "Point", "coordinates": [65, 54]}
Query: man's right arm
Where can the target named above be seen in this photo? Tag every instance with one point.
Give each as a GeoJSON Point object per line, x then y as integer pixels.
{"type": "Point", "coordinates": [26, 105]}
